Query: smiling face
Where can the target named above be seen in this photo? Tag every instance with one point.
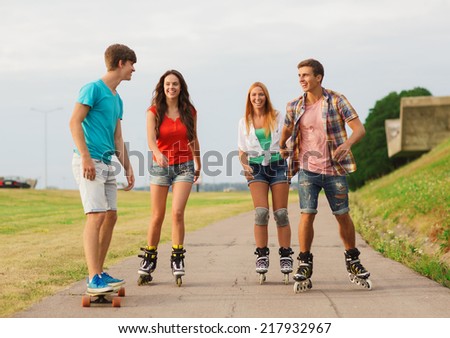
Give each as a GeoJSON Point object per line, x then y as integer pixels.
{"type": "Point", "coordinates": [127, 70]}
{"type": "Point", "coordinates": [257, 98]}
{"type": "Point", "coordinates": [308, 81]}
{"type": "Point", "coordinates": [172, 86]}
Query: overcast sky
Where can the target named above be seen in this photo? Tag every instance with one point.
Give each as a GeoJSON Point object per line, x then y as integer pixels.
{"type": "Point", "coordinates": [49, 49]}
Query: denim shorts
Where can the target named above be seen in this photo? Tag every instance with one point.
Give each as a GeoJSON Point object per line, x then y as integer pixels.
{"type": "Point", "coordinates": [99, 195]}
{"type": "Point", "coordinates": [166, 176]}
{"type": "Point", "coordinates": [271, 174]}
{"type": "Point", "coordinates": [309, 186]}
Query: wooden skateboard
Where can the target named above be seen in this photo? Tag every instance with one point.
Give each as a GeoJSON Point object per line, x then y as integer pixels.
{"type": "Point", "coordinates": [101, 298]}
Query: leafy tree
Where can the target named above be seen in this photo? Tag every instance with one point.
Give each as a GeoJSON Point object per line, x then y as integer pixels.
{"type": "Point", "coordinates": [371, 153]}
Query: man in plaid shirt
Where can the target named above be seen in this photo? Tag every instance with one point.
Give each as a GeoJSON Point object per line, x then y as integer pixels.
{"type": "Point", "coordinates": [315, 140]}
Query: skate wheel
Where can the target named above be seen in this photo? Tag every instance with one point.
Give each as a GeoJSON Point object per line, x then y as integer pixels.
{"type": "Point", "coordinates": [121, 292]}
{"type": "Point", "coordinates": [86, 301]}
{"type": "Point", "coordinates": [179, 281]}
{"type": "Point", "coordinates": [368, 284]}
{"type": "Point", "coordinates": [351, 277]}
{"type": "Point", "coordinates": [144, 279]}
{"type": "Point", "coordinates": [262, 278]}
{"type": "Point", "coordinates": [302, 286]}
{"type": "Point", "coordinates": [116, 302]}
{"type": "Point", "coordinates": [286, 279]}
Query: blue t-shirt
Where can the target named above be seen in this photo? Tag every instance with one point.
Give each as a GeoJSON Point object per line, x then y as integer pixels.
{"type": "Point", "coordinates": [100, 123]}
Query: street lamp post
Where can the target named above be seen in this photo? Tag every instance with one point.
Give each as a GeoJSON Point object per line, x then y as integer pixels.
{"type": "Point", "coordinates": [45, 112]}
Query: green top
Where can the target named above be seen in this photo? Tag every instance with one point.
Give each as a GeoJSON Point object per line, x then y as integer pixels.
{"type": "Point", "coordinates": [265, 145]}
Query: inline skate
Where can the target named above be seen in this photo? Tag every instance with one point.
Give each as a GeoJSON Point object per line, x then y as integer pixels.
{"type": "Point", "coordinates": [177, 264]}
{"type": "Point", "coordinates": [304, 272]}
{"type": "Point", "coordinates": [356, 271]}
{"type": "Point", "coordinates": [262, 263]}
{"type": "Point", "coordinates": [286, 263]}
{"type": "Point", "coordinates": [148, 265]}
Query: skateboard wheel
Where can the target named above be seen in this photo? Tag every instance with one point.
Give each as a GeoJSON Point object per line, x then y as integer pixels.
{"type": "Point", "coordinates": [286, 279]}
{"type": "Point", "coordinates": [179, 281]}
{"type": "Point", "coordinates": [116, 302]}
{"type": "Point", "coordinates": [86, 301]}
{"type": "Point", "coordinates": [121, 292]}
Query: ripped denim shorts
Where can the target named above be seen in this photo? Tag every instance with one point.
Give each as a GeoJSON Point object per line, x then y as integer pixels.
{"type": "Point", "coordinates": [335, 187]}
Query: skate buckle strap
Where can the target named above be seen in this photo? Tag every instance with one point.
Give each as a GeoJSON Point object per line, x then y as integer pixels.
{"type": "Point", "coordinates": [178, 253]}
{"type": "Point", "coordinates": [148, 254]}
{"type": "Point", "coordinates": [262, 252]}
{"type": "Point", "coordinates": [285, 252]}
{"type": "Point", "coordinates": [357, 266]}
{"type": "Point", "coordinates": [304, 269]}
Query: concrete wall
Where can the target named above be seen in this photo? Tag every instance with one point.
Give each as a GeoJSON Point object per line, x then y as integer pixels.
{"type": "Point", "coordinates": [424, 123]}
{"type": "Point", "coordinates": [393, 136]}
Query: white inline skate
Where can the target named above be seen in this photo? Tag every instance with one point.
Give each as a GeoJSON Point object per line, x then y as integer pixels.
{"type": "Point", "coordinates": [262, 263]}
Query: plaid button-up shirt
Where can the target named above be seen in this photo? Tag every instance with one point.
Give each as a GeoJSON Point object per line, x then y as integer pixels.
{"type": "Point", "coordinates": [336, 111]}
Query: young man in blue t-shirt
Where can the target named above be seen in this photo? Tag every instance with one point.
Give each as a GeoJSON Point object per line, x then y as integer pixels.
{"type": "Point", "coordinates": [96, 130]}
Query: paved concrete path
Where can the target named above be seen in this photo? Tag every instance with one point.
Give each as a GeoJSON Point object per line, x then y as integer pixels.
{"type": "Point", "coordinates": [221, 282]}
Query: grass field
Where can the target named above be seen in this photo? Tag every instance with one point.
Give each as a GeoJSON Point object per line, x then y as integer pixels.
{"type": "Point", "coordinates": [406, 215]}
{"type": "Point", "coordinates": [41, 237]}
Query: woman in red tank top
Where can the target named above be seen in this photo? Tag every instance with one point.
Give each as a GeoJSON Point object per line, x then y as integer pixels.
{"type": "Point", "coordinates": [172, 138]}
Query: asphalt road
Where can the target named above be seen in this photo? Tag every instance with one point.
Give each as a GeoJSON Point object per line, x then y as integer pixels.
{"type": "Point", "coordinates": [221, 282]}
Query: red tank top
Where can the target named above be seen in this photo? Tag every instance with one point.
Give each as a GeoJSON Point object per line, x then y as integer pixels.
{"type": "Point", "coordinates": [173, 141]}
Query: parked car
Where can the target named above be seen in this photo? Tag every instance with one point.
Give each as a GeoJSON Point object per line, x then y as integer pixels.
{"type": "Point", "coordinates": [13, 182]}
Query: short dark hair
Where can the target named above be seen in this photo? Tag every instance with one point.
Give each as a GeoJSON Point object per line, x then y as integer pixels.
{"type": "Point", "coordinates": [117, 52]}
{"type": "Point", "coordinates": [314, 64]}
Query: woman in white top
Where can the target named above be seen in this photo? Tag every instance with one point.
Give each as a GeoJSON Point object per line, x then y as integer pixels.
{"type": "Point", "coordinates": [265, 169]}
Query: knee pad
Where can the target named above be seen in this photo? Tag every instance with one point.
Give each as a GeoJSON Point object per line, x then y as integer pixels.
{"type": "Point", "coordinates": [281, 217]}
{"type": "Point", "coordinates": [261, 216]}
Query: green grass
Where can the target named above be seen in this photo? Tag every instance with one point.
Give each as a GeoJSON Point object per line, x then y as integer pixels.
{"type": "Point", "coordinates": [41, 237]}
{"type": "Point", "coordinates": [405, 215]}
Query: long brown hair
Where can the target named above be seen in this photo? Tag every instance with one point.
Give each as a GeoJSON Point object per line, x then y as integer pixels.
{"type": "Point", "coordinates": [269, 112]}
{"type": "Point", "coordinates": [185, 105]}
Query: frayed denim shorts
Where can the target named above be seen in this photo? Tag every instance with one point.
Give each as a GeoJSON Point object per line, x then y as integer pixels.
{"type": "Point", "coordinates": [271, 174]}
{"type": "Point", "coordinates": [335, 187]}
{"type": "Point", "coordinates": [167, 176]}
